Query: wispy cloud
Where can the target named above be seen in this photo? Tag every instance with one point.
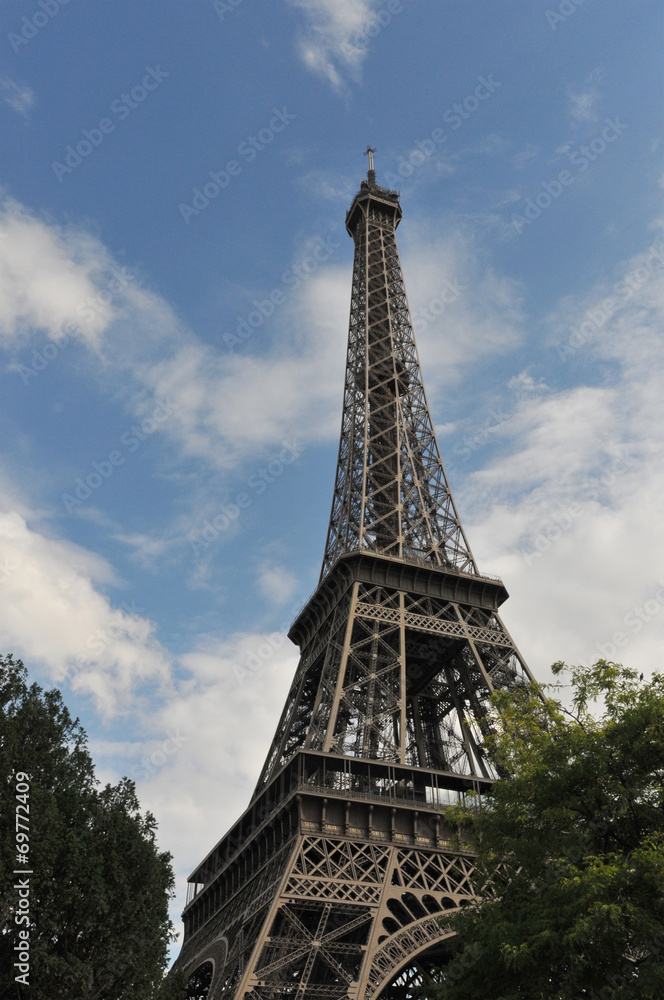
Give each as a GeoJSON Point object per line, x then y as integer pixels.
{"type": "Point", "coordinates": [229, 406]}
{"type": "Point", "coordinates": [328, 186]}
{"type": "Point", "coordinates": [570, 511]}
{"type": "Point", "coordinates": [583, 101]}
{"type": "Point", "coordinates": [18, 96]}
{"type": "Point", "coordinates": [276, 583]}
{"type": "Point", "coordinates": [332, 42]}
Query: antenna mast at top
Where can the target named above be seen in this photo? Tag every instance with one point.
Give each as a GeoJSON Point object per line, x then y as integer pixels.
{"type": "Point", "coordinates": [369, 151]}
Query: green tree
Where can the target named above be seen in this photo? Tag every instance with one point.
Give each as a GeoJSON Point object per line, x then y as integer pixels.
{"type": "Point", "coordinates": [570, 847]}
{"type": "Point", "coordinates": [98, 926]}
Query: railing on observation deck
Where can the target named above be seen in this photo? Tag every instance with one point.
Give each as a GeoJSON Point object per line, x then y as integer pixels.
{"type": "Point", "coordinates": [413, 559]}
{"type": "Point", "coordinates": [380, 783]}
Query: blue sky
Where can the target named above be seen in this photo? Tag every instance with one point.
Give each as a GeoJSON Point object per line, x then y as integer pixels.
{"type": "Point", "coordinates": [174, 294]}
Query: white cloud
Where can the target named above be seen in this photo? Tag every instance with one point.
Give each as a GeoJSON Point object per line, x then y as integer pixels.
{"type": "Point", "coordinates": [229, 698]}
{"type": "Point", "coordinates": [331, 187]}
{"type": "Point", "coordinates": [65, 283]}
{"type": "Point", "coordinates": [462, 309]}
{"type": "Point", "coordinates": [52, 612]}
{"type": "Point", "coordinates": [334, 43]}
{"type": "Point", "coordinates": [18, 96]}
{"type": "Point", "coordinates": [570, 514]}
{"type": "Point", "coordinates": [146, 549]}
{"type": "Point", "coordinates": [276, 583]}
{"type": "Point", "coordinates": [547, 432]}
{"type": "Point", "coordinates": [50, 280]}
{"type": "Point", "coordinates": [524, 384]}
{"type": "Point", "coordinates": [230, 405]}
{"type": "Point", "coordinates": [523, 156]}
{"type": "Point", "coordinates": [227, 405]}
{"type": "Point", "coordinates": [583, 102]}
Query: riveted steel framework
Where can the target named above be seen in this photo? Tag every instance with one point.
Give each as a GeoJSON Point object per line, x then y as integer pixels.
{"type": "Point", "coordinates": [340, 879]}
{"type": "Point", "coordinates": [390, 494]}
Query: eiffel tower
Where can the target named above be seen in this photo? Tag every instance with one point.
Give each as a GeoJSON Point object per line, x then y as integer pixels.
{"type": "Point", "coordinates": [338, 879]}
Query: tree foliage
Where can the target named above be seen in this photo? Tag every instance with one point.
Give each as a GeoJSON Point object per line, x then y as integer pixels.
{"type": "Point", "coordinates": [570, 847]}
{"type": "Point", "coordinates": [98, 896]}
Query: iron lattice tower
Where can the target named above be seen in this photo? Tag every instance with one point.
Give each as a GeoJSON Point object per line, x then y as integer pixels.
{"type": "Point", "coordinates": [336, 880]}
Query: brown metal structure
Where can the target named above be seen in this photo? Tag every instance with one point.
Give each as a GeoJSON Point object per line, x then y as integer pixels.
{"type": "Point", "coordinates": [336, 881]}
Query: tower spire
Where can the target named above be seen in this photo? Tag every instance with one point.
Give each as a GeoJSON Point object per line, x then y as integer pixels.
{"type": "Point", "coordinates": [371, 174]}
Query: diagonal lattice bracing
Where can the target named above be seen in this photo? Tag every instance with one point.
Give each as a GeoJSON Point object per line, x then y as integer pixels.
{"type": "Point", "coordinates": [400, 677]}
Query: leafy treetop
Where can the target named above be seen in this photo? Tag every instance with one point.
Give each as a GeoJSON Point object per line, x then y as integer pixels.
{"type": "Point", "coordinates": [99, 926]}
{"type": "Point", "coordinates": [570, 847]}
